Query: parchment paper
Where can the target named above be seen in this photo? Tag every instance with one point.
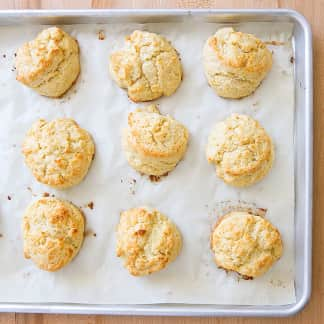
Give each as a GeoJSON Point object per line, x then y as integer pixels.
{"type": "Point", "coordinates": [190, 195]}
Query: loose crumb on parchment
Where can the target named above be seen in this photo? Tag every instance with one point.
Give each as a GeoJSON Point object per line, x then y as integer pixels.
{"type": "Point", "coordinates": [89, 205]}
{"type": "Point", "coordinates": [101, 35]}
{"type": "Point", "coordinates": [275, 43]}
{"type": "Point", "coordinates": [155, 178]}
{"type": "Point", "coordinates": [90, 233]}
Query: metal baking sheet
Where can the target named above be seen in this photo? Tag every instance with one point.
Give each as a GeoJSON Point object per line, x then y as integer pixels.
{"type": "Point", "coordinates": [303, 151]}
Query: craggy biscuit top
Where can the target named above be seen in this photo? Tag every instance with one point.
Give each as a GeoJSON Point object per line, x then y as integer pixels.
{"type": "Point", "coordinates": [245, 243]}
{"type": "Point", "coordinates": [239, 146]}
{"type": "Point", "coordinates": [59, 153]}
{"type": "Point", "coordinates": [146, 240]}
{"type": "Point", "coordinates": [235, 63]}
{"type": "Point", "coordinates": [53, 233]}
{"type": "Point", "coordinates": [240, 50]}
{"type": "Point", "coordinates": [153, 143]}
{"type": "Point", "coordinates": [154, 134]}
{"type": "Point", "coordinates": [148, 67]}
{"type": "Point", "coordinates": [39, 60]}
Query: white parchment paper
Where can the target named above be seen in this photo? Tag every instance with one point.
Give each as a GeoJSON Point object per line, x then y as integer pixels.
{"type": "Point", "coordinates": [190, 195]}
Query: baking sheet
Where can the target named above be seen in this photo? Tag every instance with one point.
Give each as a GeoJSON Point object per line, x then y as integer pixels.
{"type": "Point", "coordinates": [191, 195]}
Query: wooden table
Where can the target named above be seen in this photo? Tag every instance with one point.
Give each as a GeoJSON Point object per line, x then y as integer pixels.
{"type": "Point", "coordinates": [313, 10]}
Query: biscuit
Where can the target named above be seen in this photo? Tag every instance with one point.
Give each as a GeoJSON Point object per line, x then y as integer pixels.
{"type": "Point", "coordinates": [245, 243]}
{"type": "Point", "coordinates": [146, 240]}
{"type": "Point", "coordinates": [241, 150]}
{"type": "Point", "coordinates": [148, 67]}
{"type": "Point", "coordinates": [53, 231]}
{"type": "Point", "coordinates": [153, 143]}
{"type": "Point", "coordinates": [235, 63]}
{"type": "Point", "coordinates": [50, 63]}
{"type": "Point", "coordinates": [59, 153]}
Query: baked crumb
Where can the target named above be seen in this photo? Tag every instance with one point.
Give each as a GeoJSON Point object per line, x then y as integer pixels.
{"type": "Point", "coordinates": [90, 205]}
{"type": "Point", "coordinates": [244, 277]}
{"type": "Point", "coordinates": [261, 211]}
{"type": "Point", "coordinates": [90, 233]}
{"type": "Point", "coordinates": [46, 194]}
{"type": "Point", "coordinates": [275, 43]}
{"type": "Point", "coordinates": [101, 35]}
{"type": "Point", "coordinates": [292, 60]}
{"type": "Point", "coordinates": [154, 178]}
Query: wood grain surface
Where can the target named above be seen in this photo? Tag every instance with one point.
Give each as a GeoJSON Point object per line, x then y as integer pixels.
{"type": "Point", "coordinates": [313, 10]}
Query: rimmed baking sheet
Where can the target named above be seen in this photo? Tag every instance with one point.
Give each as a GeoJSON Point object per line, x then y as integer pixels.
{"type": "Point", "coordinates": [101, 107]}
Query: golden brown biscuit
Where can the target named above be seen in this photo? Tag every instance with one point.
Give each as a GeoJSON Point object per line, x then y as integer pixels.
{"type": "Point", "coordinates": [148, 67]}
{"type": "Point", "coordinates": [241, 150]}
{"type": "Point", "coordinates": [154, 143]}
{"type": "Point", "coordinates": [50, 63]}
{"type": "Point", "coordinates": [235, 63]}
{"type": "Point", "coordinates": [59, 153]}
{"type": "Point", "coordinates": [147, 240]}
{"type": "Point", "coordinates": [245, 243]}
{"type": "Point", "coordinates": [53, 231]}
